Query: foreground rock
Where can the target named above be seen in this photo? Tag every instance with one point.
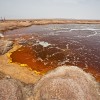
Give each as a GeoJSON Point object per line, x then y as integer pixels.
{"type": "Point", "coordinates": [10, 90]}
{"type": "Point", "coordinates": [2, 75]}
{"type": "Point", "coordinates": [5, 45]}
{"type": "Point", "coordinates": [66, 83]}
{"type": "Point", "coordinates": [13, 89]}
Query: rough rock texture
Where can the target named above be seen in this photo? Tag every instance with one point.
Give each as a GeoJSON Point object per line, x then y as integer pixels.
{"type": "Point", "coordinates": [27, 91]}
{"type": "Point", "coordinates": [66, 83]}
{"type": "Point", "coordinates": [1, 35]}
{"type": "Point", "coordinates": [10, 90]}
{"type": "Point", "coordinates": [5, 45]}
{"type": "Point", "coordinates": [2, 75]}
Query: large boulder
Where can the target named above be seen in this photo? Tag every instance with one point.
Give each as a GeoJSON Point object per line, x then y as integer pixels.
{"type": "Point", "coordinates": [10, 90]}
{"type": "Point", "coordinates": [5, 45]}
{"type": "Point", "coordinates": [66, 83]}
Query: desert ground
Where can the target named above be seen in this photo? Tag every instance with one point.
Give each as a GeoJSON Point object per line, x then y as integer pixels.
{"type": "Point", "coordinates": [29, 82]}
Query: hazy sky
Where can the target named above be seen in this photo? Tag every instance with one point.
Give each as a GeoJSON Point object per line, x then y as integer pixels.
{"type": "Point", "coordinates": [83, 9]}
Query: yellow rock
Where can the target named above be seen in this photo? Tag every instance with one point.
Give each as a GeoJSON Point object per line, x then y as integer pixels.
{"type": "Point", "coordinates": [23, 65]}
{"type": "Point", "coordinates": [8, 54]}
{"type": "Point", "coordinates": [10, 61]}
{"type": "Point", "coordinates": [36, 72]}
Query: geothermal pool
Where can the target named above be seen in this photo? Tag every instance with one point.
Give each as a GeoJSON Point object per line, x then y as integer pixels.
{"type": "Point", "coordinates": [44, 47]}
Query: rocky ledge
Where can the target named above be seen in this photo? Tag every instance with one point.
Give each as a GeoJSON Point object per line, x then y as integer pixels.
{"type": "Point", "coordinates": [5, 45]}
{"type": "Point", "coordinates": [63, 83]}
{"type": "Point", "coordinates": [1, 35]}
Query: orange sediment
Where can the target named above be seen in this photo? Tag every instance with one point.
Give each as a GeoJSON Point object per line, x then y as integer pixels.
{"type": "Point", "coordinates": [26, 57]}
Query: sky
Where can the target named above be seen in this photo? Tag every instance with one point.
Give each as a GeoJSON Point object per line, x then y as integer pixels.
{"type": "Point", "coordinates": [37, 9]}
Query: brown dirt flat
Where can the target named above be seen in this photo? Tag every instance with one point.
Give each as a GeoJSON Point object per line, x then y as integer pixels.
{"type": "Point", "coordinates": [13, 24]}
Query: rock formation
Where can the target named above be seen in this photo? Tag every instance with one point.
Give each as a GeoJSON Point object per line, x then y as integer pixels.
{"type": "Point", "coordinates": [10, 90]}
{"type": "Point", "coordinates": [1, 35]}
{"type": "Point", "coordinates": [5, 45]}
{"type": "Point", "coordinates": [66, 83]}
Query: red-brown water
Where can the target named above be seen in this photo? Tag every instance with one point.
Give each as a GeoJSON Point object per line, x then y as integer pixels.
{"type": "Point", "coordinates": [25, 55]}
{"type": "Point", "coordinates": [48, 46]}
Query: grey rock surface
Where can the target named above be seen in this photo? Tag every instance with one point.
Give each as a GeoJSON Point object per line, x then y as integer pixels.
{"type": "Point", "coordinates": [1, 35]}
{"type": "Point", "coordinates": [10, 90]}
{"type": "Point", "coordinates": [5, 45]}
{"type": "Point", "coordinates": [66, 83]}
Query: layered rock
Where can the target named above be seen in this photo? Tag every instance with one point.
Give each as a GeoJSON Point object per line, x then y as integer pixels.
{"type": "Point", "coordinates": [1, 35]}
{"type": "Point", "coordinates": [5, 45]}
{"type": "Point", "coordinates": [66, 83]}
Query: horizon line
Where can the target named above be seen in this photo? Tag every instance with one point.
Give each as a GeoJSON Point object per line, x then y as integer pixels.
{"type": "Point", "coordinates": [47, 18]}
